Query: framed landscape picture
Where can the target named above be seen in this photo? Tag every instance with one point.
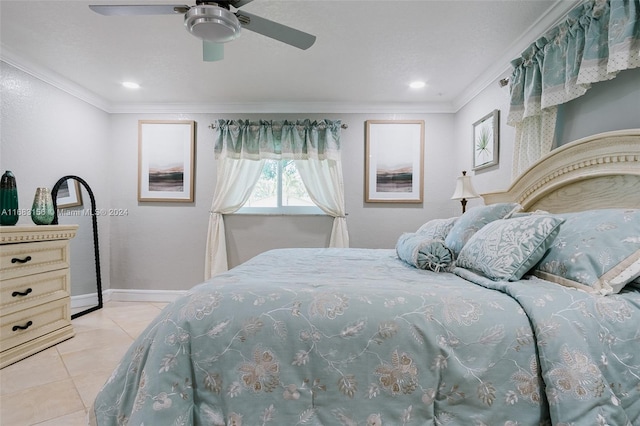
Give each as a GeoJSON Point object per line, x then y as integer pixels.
{"type": "Point", "coordinates": [486, 139]}
{"type": "Point", "coordinates": [166, 154]}
{"type": "Point", "coordinates": [394, 161]}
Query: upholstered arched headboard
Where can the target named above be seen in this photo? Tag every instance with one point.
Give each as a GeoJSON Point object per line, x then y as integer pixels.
{"type": "Point", "coordinates": [599, 171]}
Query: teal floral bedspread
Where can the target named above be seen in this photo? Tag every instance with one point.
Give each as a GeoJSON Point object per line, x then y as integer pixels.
{"type": "Point", "coordinates": [359, 337]}
{"type": "Point", "coordinates": [589, 349]}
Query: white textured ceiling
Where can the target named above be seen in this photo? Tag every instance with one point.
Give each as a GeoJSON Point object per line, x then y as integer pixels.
{"type": "Point", "coordinates": [366, 53]}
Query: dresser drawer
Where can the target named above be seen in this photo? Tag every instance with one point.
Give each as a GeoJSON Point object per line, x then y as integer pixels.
{"type": "Point", "coordinates": [22, 259]}
{"type": "Point", "coordinates": [25, 292]}
{"type": "Point", "coordinates": [29, 324]}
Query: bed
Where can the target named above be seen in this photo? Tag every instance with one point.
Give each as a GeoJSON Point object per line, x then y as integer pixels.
{"type": "Point", "coordinates": [476, 320]}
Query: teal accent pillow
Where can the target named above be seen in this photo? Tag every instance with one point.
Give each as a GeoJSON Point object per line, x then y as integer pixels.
{"type": "Point", "coordinates": [437, 229]}
{"type": "Point", "coordinates": [474, 219]}
{"type": "Point", "coordinates": [424, 253]}
{"type": "Point", "coordinates": [506, 249]}
{"type": "Point", "coordinates": [596, 250]}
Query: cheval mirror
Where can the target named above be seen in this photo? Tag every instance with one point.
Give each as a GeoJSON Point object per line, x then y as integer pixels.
{"type": "Point", "coordinates": [69, 195]}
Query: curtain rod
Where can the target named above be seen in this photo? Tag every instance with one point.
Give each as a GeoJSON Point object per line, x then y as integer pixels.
{"type": "Point", "coordinates": [213, 126]}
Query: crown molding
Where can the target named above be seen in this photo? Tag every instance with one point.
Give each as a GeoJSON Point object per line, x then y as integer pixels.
{"type": "Point", "coordinates": [52, 78]}
{"type": "Point", "coordinates": [286, 107]}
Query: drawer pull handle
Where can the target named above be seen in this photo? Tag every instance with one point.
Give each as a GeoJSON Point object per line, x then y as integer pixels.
{"type": "Point", "coordinates": [21, 293]}
{"type": "Point", "coordinates": [20, 327]}
{"type": "Point", "coordinates": [25, 260]}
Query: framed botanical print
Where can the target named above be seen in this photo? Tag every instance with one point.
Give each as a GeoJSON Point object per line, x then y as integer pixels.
{"type": "Point", "coordinates": [486, 140]}
{"type": "Point", "coordinates": [394, 161]}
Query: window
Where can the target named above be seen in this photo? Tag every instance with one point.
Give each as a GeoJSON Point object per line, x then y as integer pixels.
{"type": "Point", "coordinates": [280, 190]}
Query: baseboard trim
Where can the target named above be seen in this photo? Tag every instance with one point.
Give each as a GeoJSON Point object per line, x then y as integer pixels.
{"type": "Point", "coordinates": [84, 300]}
{"type": "Point", "coordinates": [126, 295]}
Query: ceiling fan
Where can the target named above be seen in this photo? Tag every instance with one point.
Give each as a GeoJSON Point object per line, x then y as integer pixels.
{"type": "Point", "coordinates": [215, 23]}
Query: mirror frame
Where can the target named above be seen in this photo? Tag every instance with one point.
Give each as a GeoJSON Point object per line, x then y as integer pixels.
{"type": "Point", "coordinates": [54, 196]}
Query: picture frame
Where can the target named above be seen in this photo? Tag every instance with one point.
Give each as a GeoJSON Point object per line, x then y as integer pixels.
{"type": "Point", "coordinates": [394, 161]}
{"type": "Point", "coordinates": [69, 194]}
{"type": "Point", "coordinates": [486, 140]}
{"type": "Point", "coordinates": [166, 159]}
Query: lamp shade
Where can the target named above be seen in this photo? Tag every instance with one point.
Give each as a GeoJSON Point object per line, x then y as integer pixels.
{"type": "Point", "coordinates": [464, 188]}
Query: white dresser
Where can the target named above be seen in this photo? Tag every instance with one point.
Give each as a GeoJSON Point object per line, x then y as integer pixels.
{"type": "Point", "coordinates": [35, 309]}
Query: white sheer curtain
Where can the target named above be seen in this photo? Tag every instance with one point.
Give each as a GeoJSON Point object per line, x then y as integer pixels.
{"type": "Point", "coordinates": [235, 180]}
{"type": "Point", "coordinates": [534, 139]}
{"type": "Point", "coordinates": [324, 183]}
{"type": "Point", "coordinates": [242, 147]}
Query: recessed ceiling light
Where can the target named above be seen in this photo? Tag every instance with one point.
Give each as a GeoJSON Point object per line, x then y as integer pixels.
{"type": "Point", "coordinates": [417, 84]}
{"type": "Point", "coordinates": [130, 85]}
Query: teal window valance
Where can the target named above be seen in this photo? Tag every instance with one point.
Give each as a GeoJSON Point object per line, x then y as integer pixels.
{"type": "Point", "coordinates": [288, 140]}
{"type": "Point", "coordinates": [595, 41]}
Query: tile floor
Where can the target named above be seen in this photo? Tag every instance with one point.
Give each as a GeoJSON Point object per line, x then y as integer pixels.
{"type": "Point", "coordinates": [57, 386]}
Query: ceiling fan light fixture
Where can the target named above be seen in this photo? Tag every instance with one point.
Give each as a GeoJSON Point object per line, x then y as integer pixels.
{"type": "Point", "coordinates": [212, 23]}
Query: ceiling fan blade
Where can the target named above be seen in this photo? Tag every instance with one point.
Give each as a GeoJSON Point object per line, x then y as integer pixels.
{"type": "Point", "coordinates": [212, 51]}
{"type": "Point", "coordinates": [131, 9]}
{"type": "Point", "coordinates": [239, 3]}
{"type": "Point", "coordinates": [275, 30]}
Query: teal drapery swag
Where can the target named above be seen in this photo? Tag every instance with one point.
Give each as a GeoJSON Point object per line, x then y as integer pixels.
{"type": "Point", "coordinates": [287, 140]}
{"type": "Point", "coordinates": [594, 42]}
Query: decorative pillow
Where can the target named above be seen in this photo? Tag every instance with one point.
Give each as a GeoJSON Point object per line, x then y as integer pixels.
{"type": "Point", "coordinates": [596, 250]}
{"type": "Point", "coordinates": [506, 249]}
{"type": "Point", "coordinates": [474, 219]}
{"type": "Point", "coordinates": [424, 253]}
{"type": "Point", "coordinates": [437, 229]}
